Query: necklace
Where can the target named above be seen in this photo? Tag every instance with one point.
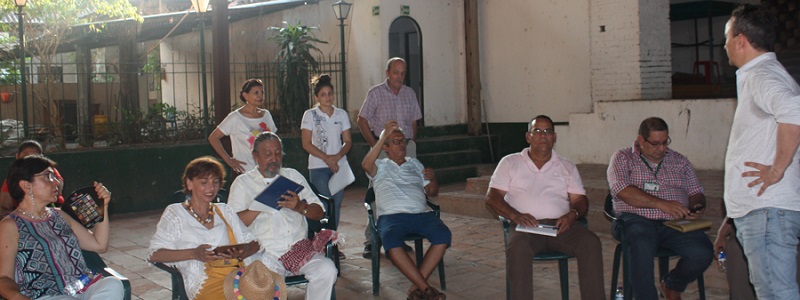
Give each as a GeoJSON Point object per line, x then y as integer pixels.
{"type": "Point", "coordinates": [40, 217]}
{"type": "Point", "coordinates": [208, 219]}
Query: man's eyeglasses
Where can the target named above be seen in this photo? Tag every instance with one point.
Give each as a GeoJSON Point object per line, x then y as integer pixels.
{"type": "Point", "coordinates": [399, 141]}
{"type": "Point", "coordinates": [664, 143]}
{"type": "Point", "coordinates": [50, 176]}
{"type": "Point", "coordinates": [539, 131]}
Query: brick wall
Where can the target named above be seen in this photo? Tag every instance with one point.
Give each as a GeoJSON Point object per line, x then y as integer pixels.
{"type": "Point", "coordinates": [630, 50]}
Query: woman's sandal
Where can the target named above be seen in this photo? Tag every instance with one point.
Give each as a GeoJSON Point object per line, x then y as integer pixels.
{"type": "Point", "coordinates": [433, 294]}
{"type": "Point", "coordinates": [416, 295]}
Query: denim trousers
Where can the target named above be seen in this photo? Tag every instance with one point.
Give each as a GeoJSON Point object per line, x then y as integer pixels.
{"type": "Point", "coordinates": [320, 178]}
{"type": "Point", "coordinates": [644, 236]}
{"type": "Point", "coordinates": [769, 239]}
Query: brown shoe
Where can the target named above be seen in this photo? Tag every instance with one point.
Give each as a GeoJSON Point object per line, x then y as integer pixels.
{"type": "Point", "coordinates": [433, 294]}
{"type": "Point", "coordinates": [670, 294]}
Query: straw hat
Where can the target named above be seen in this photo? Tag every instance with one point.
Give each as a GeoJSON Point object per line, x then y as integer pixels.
{"type": "Point", "coordinates": [256, 281]}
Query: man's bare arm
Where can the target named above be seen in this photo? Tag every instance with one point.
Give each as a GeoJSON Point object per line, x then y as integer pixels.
{"type": "Point", "coordinates": [495, 201]}
{"type": "Point", "coordinates": [363, 126]}
{"type": "Point", "coordinates": [636, 197]}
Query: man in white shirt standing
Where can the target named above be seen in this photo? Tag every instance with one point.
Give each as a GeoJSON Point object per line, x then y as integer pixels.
{"type": "Point", "coordinates": [278, 230]}
{"type": "Point", "coordinates": [762, 175]}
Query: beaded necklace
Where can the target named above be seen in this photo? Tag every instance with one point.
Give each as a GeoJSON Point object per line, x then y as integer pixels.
{"type": "Point", "coordinates": [208, 219]}
{"type": "Point", "coordinates": [238, 294]}
{"type": "Point", "coordinates": [35, 217]}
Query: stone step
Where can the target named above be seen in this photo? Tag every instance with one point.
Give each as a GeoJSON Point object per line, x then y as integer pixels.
{"type": "Point", "coordinates": [456, 174]}
{"type": "Point", "coordinates": [439, 160]}
{"type": "Point", "coordinates": [478, 185]}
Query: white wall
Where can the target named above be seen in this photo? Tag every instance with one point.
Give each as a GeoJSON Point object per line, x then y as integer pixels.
{"type": "Point", "coordinates": [535, 59]}
{"type": "Point", "coordinates": [366, 37]}
{"type": "Point", "coordinates": [699, 129]}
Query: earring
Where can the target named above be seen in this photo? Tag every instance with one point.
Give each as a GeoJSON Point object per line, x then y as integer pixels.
{"type": "Point", "coordinates": [33, 202]}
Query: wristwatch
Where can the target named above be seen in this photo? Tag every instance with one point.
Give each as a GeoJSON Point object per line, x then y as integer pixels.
{"type": "Point", "coordinates": [305, 210]}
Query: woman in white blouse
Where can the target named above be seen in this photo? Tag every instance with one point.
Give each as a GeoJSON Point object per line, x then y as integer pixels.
{"type": "Point", "coordinates": [189, 231]}
{"type": "Point", "coordinates": [326, 138]}
{"type": "Point", "coordinates": [243, 125]}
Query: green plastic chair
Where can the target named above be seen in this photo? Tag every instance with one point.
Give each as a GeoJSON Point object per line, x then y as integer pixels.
{"type": "Point", "coordinates": [563, 272]}
{"type": "Point", "coordinates": [375, 239]}
{"type": "Point", "coordinates": [621, 252]}
{"type": "Point", "coordinates": [98, 266]}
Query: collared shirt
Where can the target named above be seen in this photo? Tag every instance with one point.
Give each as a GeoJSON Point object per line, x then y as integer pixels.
{"type": "Point", "coordinates": [326, 133]}
{"type": "Point", "coordinates": [243, 132]}
{"type": "Point", "coordinates": [277, 230]}
{"type": "Point", "coordinates": [676, 179]}
{"type": "Point", "coordinates": [382, 106]}
{"type": "Point", "coordinates": [767, 95]}
{"type": "Point", "coordinates": [399, 188]}
{"type": "Point", "coordinates": [542, 193]}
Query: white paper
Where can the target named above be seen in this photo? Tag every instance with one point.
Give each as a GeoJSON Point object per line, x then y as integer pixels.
{"type": "Point", "coordinates": [541, 229]}
{"type": "Point", "coordinates": [341, 179]}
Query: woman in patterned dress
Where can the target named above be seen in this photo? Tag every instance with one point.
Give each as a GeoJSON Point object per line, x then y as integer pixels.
{"type": "Point", "coordinates": [40, 247]}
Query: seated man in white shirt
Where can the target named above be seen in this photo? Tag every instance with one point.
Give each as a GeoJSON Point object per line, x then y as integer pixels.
{"type": "Point", "coordinates": [278, 230]}
{"type": "Point", "coordinates": [400, 185]}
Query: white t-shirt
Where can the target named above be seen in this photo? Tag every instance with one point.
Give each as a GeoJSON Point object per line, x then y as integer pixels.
{"type": "Point", "coordinates": [326, 133]}
{"type": "Point", "coordinates": [243, 132]}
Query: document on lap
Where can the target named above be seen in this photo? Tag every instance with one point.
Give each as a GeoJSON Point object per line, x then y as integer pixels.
{"type": "Point", "coordinates": [268, 199]}
{"type": "Point", "coordinates": [541, 229]}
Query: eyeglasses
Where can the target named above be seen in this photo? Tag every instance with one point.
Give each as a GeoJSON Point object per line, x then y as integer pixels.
{"type": "Point", "coordinates": [539, 131]}
{"type": "Point", "coordinates": [50, 176]}
{"type": "Point", "coordinates": [664, 143]}
{"type": "Point", "coordinates": [400, 141]}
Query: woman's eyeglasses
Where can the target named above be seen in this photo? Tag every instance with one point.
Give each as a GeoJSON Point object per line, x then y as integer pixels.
{"type": "Point", "coordinates": [50, 176]}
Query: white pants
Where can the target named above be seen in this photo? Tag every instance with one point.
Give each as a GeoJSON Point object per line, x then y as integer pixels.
{"type": "Point", "coordinates": [321, 274]}
{"type": "Point", "coordinates": [103, 289]}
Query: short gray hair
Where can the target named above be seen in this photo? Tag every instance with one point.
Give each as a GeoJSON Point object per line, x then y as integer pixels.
{"type": "Point", "coordinates": [266, 136]}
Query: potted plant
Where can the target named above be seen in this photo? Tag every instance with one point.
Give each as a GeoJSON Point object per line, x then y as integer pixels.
{"type": "Point", "coordinates": [296, 64]}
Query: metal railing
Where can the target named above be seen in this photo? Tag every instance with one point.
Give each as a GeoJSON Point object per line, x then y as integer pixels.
{"type": "Point", "coordinates": [168, 108]}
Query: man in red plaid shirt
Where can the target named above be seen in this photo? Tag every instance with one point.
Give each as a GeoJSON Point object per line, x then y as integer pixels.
{"type": "Point", "coordinates": [650, 184]}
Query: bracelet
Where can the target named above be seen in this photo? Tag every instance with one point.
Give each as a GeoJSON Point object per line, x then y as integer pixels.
{"type": "Point", "coordinates": [577, 215]}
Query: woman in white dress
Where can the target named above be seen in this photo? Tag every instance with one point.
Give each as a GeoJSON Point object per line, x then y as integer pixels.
{"type": "Point", "coordinates": [243, 125]}
{"type": "Point", "coordinates": [188, 232]}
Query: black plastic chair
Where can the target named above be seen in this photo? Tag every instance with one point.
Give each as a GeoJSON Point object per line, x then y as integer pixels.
{"type": "Point", "coordinates": [563, 272]}
{"type": "Point", "coordinates": [98, 266]}
{"type": "Point", "coordinates": [369, 200]}
{"type": "Point", "coordinates": [621, 253]}
{"type": "Point", "coordinates": [331, 250]}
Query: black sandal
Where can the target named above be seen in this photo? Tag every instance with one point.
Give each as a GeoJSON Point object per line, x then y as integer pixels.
{"type": "Point", "coordinates": [433, 294]}
{"type": "Point", "coordinates": [416, 295]}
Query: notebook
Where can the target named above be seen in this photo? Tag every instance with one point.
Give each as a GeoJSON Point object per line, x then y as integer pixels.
{"type": "Point", "coordinates": [85, 206]}
{"type": "Point", "coordinates": [272, 193]}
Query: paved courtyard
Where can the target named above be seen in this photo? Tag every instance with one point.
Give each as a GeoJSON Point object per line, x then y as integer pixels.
{"type": "Point", "coordinates": [474, 265]}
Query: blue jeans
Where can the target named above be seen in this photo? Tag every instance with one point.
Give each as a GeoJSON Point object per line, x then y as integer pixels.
{"type": "Point", "coordinates": [644, 236]}
{"type": "Point", "coordinates": [319, 178]}
{"type": "Point", "coordinates": [769, 239]}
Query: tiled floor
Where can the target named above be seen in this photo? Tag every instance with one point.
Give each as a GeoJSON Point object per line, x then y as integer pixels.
{"type": "Point", "coordinates": [475, 265]}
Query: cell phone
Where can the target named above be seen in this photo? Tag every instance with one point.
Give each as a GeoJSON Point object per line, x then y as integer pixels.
{"type": "Point", "coordinates": [224, 249]}
{"type": "Point", "coordinates": [697, 208]}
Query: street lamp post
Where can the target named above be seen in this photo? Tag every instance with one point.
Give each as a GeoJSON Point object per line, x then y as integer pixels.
{"type": "Point", "coordinates": [20, 16]}
{"type": "Point", "coordinates": [342, 9]}
{"type": "Point", "coordinates": [201, 6]}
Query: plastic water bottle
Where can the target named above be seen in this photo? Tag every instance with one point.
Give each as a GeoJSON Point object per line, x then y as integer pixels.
{"type": "Point", "coordinates": [721, 258]}
{"type": "Point", "coordinates": [620, 294]}
{"type": "Point", "coordinates": [77, 285]}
